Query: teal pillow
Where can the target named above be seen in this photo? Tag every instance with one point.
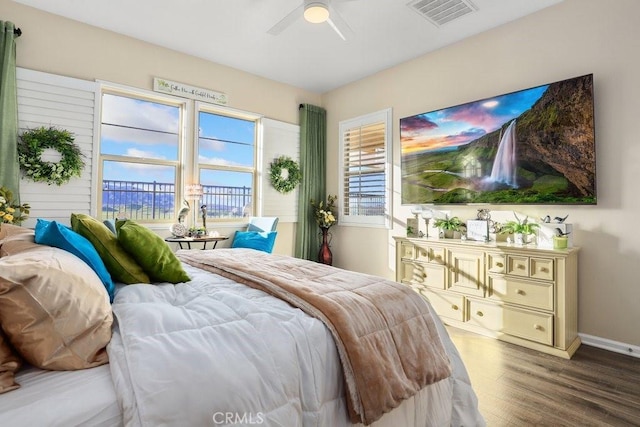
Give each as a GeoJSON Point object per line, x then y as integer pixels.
{"type": "Point", "coordinates": [151, 252]}
{"type": "Point", "coordinates": [52, 233]}
{"type": "Point", "coordinates": [257, 240]}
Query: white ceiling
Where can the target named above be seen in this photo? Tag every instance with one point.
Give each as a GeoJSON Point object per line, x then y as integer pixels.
{"type": "Point", "coordinates": [309, 56]}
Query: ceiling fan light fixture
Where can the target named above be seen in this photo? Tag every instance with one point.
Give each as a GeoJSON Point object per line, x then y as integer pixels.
{"type": "Point", "coordinates": [316, 12]}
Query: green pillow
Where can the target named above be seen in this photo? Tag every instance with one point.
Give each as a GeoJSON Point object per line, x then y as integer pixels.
{"type": "Point", "coordinates": [122, 267]}
{"type": "Point", "coordinates": [151, 252]}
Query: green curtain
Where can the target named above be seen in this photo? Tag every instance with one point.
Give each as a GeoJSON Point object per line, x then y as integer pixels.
{"type": "Point", "coordinates": [313, 147]}
{"type": "Point", "coordinates": [9, 168]}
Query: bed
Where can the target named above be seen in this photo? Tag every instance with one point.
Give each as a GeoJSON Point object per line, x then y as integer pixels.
{"type": "Point", "coordinates": [220, 349]}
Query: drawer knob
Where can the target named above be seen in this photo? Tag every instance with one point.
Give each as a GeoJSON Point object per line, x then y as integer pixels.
{"type": "Point", "coordinates": [538, 327]}
{"type": "Point", "coordinates": [519, 292]}
{"type": "Point", "coordinates": [499, 264]}
{"type": "Point", "coordinates": [480, 314]}
{"type": "Point", "coordinates": [454, 307]}
{"type": "Point", "coordinates": [521, 266]}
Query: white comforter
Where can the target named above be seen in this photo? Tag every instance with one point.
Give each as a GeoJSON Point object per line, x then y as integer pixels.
{"type": "Point", "coordinates": [214, 352]}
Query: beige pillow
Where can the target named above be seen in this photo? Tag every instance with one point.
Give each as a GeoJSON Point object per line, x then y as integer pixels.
{"type": "Point", "coordinates": [7, 230]}
{"type": "Point", "coordinates": [18, 242]}
{"type": "Point", "coordinates": [54, 309]}
{"type": "Point", "coordinates": [9, 364]}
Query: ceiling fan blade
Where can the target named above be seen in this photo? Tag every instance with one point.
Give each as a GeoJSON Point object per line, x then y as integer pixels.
{"type": "Point", "coordinates": [338, 24]}
{"type": "Point", "coordinates": [289, 19]}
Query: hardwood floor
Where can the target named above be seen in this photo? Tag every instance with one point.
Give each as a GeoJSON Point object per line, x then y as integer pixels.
{"type": "Point", "coordinates": [522, 387]}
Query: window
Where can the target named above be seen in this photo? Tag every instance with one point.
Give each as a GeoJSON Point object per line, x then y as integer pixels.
{"type": "Point", "coordinates": [365, 165]}
{"type": "Point", "coordinates": [140, 153]}
{"type": "Point", "coordinates": [226, 162]}
{"type": "Point", "coordinates": [147, 158]}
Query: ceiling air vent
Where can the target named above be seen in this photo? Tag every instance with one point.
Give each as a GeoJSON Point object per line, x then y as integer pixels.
{"type": "Point", "coordinates": [439, 12]}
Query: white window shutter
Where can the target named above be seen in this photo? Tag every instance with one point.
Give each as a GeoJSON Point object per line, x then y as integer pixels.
{"type": "Point", "coordinates": [66, 103]}
{"type": "Point", "coordinates": [279, 139]}
{"type": "Point", "coordinates": [365, 169]}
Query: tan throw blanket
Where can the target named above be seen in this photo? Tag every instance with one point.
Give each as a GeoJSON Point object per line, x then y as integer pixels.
{"type": "Point", "coordinates": [385, 334]}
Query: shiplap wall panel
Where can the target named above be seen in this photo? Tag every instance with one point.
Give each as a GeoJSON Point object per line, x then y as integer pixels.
{"type": "Point", "coordinates": [62, 102]}
{"type": "Point", "coordinates": [279, 139]}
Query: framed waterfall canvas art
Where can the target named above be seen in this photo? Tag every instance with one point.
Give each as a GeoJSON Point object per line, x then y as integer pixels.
{"type": "Point", "coordinates": [533, 146]}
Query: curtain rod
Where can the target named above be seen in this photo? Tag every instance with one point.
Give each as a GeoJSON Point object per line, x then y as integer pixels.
{"type": "Point", "coordinates": [17, 32]}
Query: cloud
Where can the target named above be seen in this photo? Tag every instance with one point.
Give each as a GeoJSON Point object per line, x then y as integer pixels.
{"type": "Point", "coordinates": [465, 136]}
{"type": "Point", "coordinates": [436, 142]}
{"type": "Point", "coordinates": [217, 161]}
{"type": "Point", "coordinates": [210, 143]}
{"type": "Point", "coordinates": [130, 112]}
{"type": "Point", "coordinates": [475, 115]}
{"type": "Point", "coordinates": [411, 125]}
{"type": "Point", "coordinates": [134, 152]}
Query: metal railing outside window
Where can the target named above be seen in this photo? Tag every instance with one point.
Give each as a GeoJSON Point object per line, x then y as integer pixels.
{"type": "Point", "coordinates": [155, 201]}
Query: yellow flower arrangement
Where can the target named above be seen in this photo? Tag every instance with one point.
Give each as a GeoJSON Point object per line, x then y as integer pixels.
{"type": "Point", "coordinates": [11, 213]}
{"type": "Point", "coordinates": [324, 212]}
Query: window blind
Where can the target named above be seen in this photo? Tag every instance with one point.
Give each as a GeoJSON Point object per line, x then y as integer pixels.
{"type": "Point", "coordinates": [365, 169]}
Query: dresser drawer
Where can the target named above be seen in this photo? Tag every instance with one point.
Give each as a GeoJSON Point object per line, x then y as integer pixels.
{"type": "Point", "coordinates": [496, 263]}
{"type": "Point", "coordinates": [447, 306]}
{"type": "Point", "coordinates": [527, 293]}
{"type": "Point", "coordinates": [415, 273]}
{"type": "Point", "coordinates": [529, 325]}
{"type": "Point", "coordinates": [524, 266]}
{"type": "Point", "coordinates": [526, 324]}
{"type": "Point", "coordinates": [407, 250]}
{"type": "Point", "coordinates": [542, 268]}
{"type": "Point", "coordinates": [429, 254]}
{"type": "Point", "coordinates": [518, 265]}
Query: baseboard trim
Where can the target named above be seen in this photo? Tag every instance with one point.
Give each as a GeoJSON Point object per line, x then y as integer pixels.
{"type": "Point", "coordinates": [607, 344]}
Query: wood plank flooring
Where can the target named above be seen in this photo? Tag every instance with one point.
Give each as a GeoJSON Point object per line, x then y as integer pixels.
{"type": "Point", "coordinates": [522, 387]}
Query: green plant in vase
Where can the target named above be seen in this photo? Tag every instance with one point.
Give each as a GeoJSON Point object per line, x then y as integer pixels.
{"type": "Point", "coordinates": [521, 229]}
{"type": "Point", "coordinates": [449, 226]}
{"type": "Point", "coordinates": [197, 232]}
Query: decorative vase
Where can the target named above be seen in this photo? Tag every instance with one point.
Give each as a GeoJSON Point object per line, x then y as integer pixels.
{"type": "Point", "coordinates": [325, 256]}
{"type": "Point", "coordinates": [448, 234]}
{"type": "Point", "coordinates": [560, 242]}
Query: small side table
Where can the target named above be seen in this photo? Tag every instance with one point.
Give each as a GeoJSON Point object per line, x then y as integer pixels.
{"type": "Point", "coordinates": [203, 240]}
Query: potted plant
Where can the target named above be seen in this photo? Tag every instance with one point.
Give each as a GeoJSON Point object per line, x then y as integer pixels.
{"type": "Point", "coordinates": [521, 229]}
{"type": "Point", "coordinates": [561, 239]}
{"type": "Point", "coordinates": [448, 226]}
{"type": "Point", "coordinates": [197, 232]}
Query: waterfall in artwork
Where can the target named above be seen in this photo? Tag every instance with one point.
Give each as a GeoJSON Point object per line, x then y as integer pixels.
{"type": "Point", "coordinates": [504, 165]}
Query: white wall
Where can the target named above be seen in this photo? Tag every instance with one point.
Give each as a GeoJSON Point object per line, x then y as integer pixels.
{"type": "Point", "coordinates": [573, 38]}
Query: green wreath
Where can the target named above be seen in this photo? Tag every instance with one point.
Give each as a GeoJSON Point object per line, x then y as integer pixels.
{"type": "Point", "coordinates": [285, 182]}
{"type": "Point", "coordinates": [32, 144]}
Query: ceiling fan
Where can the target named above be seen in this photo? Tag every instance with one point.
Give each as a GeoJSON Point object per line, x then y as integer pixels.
{"type": "Point", "coordinates": [316, 12]}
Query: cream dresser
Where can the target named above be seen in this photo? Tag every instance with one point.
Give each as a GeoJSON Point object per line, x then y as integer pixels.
{"type": "Point", "coordinates": [523, 295]}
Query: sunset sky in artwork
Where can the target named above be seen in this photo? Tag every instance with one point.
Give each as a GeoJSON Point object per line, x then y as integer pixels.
{"type": "Point", "coordinates": [462, 124]}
